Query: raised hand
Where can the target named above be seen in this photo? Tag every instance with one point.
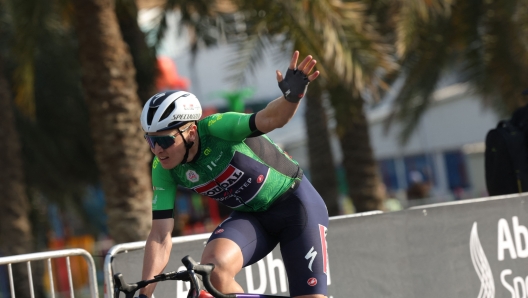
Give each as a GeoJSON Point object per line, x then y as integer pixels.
{"type": "Point", "coordinates": [295, 84]}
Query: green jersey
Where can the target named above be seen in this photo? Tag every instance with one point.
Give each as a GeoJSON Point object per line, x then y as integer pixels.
{"type": "Point", "coordinates": [243, 172]}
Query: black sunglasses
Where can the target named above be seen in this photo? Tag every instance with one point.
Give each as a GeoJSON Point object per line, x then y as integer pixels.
{"type": "Point", "coordinates": [163, 141]}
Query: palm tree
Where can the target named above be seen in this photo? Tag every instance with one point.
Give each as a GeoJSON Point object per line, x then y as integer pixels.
{"type": "Point", "coordinates": [323, 174]}
{"type": "Point", "coordinates": [15, 228]}
{"type": "Point", "coordinates": [351, 55]}
{"type": "Point", "coordinates": [30, 35]}
{"type": "Point", "coordinates": [114, 106]}
{"type": "Point", "coordinates": [143, 55]}
{"type": "Point", "coordinates": [484, 42]}
{"type": "Point", "coordinates": [15, 237]}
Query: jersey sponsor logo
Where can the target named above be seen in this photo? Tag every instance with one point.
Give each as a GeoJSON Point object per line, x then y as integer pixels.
{"type": "Point", "coordinates": [155, 200]}
{"type": "Point", "coordinates": [211, 166]}
{"type": "Point", "coordinates": [235, 186]}
{"type": "Point", "coordinates": [230, 176]}
{"type": "Point", "coordinates": [219, 231]}
{"type": "Point", "coordinates": [219, 156]}
{"type": "Point", "coordinates": [312, 281]}
{"type": "Point", "coordinates": [157, 188]}
{"type": "Point", "coordinates": [207, 151]}
{"type": "Point", "coordinates": [213, 121]}
{"type": "Point", "coordinates": [192, 176]}
{"type": "Point", "coordinates": [260, 179]}
{"type": "Point", "coordinates": [155, 163]}
{"type": "Point", "coordinates": [311, 256]}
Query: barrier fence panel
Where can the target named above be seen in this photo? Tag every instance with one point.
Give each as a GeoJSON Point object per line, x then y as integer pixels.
{"type": "Point", "coordinates": [266, 276]}
{"type": "Point", "coordinates": [471, 248]}
{"type": "Point", "coordinates": [47, 256]}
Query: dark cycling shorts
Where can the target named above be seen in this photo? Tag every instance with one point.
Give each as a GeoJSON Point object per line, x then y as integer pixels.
{"type": "Point", "coordinates": [299, 223]}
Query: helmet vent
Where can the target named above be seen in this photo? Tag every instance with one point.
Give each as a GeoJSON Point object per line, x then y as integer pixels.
{"type": "Point", "coordinates": [150, 115]}
{"type": "Point", "coordinates": [168, 111]}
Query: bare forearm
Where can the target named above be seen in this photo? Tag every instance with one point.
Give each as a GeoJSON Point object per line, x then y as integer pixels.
{"type": "Point", "coordinates": [275, 115]}
{"type": "Point", "coordinates": [157, 253]}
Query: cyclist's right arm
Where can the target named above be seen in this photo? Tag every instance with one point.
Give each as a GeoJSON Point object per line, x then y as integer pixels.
{"type": "Point", "coordinates": [157, 251]}
{"type": "Point", "coordinates": [159, 241]}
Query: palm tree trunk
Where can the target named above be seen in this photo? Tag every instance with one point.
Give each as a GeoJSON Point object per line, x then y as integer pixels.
{"type": "Point", "coordinates": [358, 159]}
{"type": "Point", "coordinates": [143, 56]}
{"type": "Point", "coordinates": [15, 227]}
{"type": "Point", "coordinates": [322, 170]}
{"type": "Point", "coordinates": [121, 154]}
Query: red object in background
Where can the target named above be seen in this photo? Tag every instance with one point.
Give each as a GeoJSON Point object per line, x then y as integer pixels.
{"type": "Point", "coordinates": [59, 267]}
{"type": "Point", "coordinates": [168, 78]}
{"type": "Point", "coordinates": [214, 214]}
{"type": "Point", "coordinates": [207, 111]}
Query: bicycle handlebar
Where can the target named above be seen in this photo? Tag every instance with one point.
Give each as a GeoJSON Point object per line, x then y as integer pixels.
{"type": "Point", "coordinates": [205, 272]}
{"type": "Point", "coordinates": [186, 275]}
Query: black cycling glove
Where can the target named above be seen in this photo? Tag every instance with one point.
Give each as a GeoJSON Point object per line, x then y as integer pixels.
{"type": "Point", "coordinates": [294, 85]}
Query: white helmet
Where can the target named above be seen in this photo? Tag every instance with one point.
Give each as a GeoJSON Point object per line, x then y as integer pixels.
{"type": "Point", "coordinates": [170, 109]}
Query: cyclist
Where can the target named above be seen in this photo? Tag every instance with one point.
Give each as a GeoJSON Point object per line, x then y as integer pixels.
{"type": "Point", "coordinates": [227, 157]}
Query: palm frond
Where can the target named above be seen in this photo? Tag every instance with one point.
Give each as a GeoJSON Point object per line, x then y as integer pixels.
{"type": "Point", "coordinates": [422, 69]}
{"type": "Point", "coordinates": [249, 53]}
{"type": "Point", "coordinates": [337, 33]}
{"type": "Point", "coordinates": [505, 56]}
{"type": "Point", "coordinates": [414, 13]}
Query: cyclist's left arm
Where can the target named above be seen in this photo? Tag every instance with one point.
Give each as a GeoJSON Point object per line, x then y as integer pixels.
{"type": "Point", "coordinates": [275, 115]}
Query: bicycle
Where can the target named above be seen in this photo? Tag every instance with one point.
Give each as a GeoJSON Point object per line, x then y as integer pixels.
{"type": "Point", "coordinates": [200, 287]}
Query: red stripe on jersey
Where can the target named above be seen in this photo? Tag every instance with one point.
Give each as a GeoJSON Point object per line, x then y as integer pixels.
{"type": "Point", "coordinates": [230, 170]}
{"type": "Point", "coordinates": [206, 187]}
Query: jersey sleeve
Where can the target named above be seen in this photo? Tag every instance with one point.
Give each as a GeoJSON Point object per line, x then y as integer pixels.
{"type": "Point", "coordinates": [164, 188]}
{"type": "Point", "coordinates": [231, 126]}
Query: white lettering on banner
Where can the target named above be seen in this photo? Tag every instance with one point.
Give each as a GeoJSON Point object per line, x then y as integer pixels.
{"type": "Point", "coordinates": [520, 284]}
{"type": "Point", "coordinates": [505, 283]}
{"type": "Point", "coordinates": [517, 248]}
{"type": "Point", "coordinates": [521, 237]}
{"type": "Point", "coordinates": [263, 281]}
{"type": "Point", "coordinates": [272, 264]}
{"type": "Point", "coordinates": [505, 241]}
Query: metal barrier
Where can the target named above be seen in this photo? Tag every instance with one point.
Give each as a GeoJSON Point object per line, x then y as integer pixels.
{"type": "Point", "coordinates": [469, 201]}
{"type": "Point", "coordinates": [67, 253]}
{"type": "Point", "coordinates": [131, 246]}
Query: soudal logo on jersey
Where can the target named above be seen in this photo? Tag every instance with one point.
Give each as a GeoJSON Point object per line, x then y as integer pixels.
{"type": "Point", "coordinates": [228, 178]}
{"type": "Point", "coordinates": [238, 184]}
